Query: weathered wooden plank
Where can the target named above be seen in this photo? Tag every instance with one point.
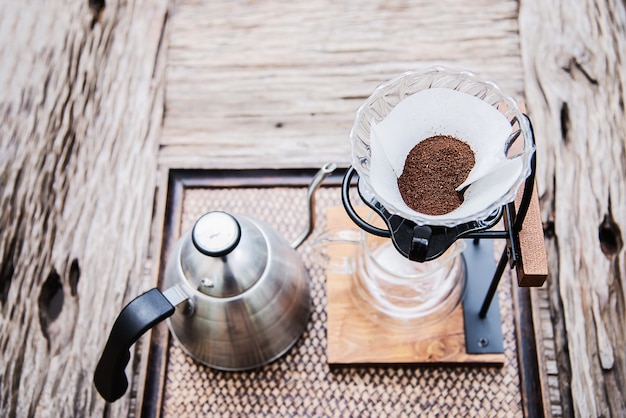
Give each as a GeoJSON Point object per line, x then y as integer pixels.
{"type": "Point", "coordinates": [574, 66]}
{"type": "Point", "coordinates": [80, 109]}
{"type": "Point", "coordinates": [271, 84]}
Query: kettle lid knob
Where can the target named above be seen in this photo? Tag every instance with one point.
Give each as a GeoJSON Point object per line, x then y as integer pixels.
{"type": "Point", "coordinates": [216, 234]}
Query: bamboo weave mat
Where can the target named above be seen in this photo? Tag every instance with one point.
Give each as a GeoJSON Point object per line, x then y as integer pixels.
{"type": "Point", "coordinates": [301, 383]}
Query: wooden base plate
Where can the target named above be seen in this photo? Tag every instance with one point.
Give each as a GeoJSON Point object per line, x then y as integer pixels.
{"type": "Point", "coordinates": [357, 335]}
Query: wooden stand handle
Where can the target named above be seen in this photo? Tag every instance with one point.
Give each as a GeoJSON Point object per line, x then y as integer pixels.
{"type": "Point", "coordinates": [532, 266]}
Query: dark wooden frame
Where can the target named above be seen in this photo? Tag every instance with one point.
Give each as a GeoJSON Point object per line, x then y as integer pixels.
{"type": "Point", "coordinates": [181, 179]}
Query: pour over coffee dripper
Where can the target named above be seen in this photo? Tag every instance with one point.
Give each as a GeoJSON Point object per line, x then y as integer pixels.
{"type": "Point", "coordinates": [397, 116]}
{"type": "Point", "coordinates": [421, 237]}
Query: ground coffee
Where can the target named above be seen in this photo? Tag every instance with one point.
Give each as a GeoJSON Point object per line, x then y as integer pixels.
{"type": "Point", "coordinates": [432, 171]}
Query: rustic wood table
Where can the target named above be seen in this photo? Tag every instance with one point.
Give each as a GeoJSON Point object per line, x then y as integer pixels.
{"type": "Point", "coordinates": [99, 101]}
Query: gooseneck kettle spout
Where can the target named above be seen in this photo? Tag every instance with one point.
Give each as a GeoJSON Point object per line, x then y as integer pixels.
{"type": "Point", "coordinates": [321, 175]}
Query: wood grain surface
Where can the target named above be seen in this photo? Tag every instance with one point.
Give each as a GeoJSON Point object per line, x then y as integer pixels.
{"type": "Point", "coordinates": [275, 84]}
{"type": "Point", "coordinates": [80, 107]}
{"type": "Point", "coordinates": [98, 100]}
{"type": "Point", "coordinates": [574, 67]}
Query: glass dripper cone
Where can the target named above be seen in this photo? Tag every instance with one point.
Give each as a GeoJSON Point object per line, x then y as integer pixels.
{"type": "Point", "coordinates": [511, 143]}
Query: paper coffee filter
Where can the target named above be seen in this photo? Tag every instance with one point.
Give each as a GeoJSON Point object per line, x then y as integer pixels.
{"type": "Point", "coordinates": [439, 111]}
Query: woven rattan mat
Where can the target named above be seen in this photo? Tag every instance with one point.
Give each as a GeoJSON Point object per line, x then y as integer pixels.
{"type": "Point", "coordinates": [301, 383]}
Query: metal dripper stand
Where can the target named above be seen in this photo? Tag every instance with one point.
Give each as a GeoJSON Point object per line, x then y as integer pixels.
{"type": "Point", "coordinates": [421, 243]}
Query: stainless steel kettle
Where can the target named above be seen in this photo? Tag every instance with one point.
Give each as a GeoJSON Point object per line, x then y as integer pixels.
{"type": "Point", "coordinates": [237, 297]}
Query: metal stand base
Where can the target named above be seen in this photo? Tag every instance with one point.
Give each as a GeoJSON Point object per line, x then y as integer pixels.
{"type": "Point", "coordinates": [482, 335]}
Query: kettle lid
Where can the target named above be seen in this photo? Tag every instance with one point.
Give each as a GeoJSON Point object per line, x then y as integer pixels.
{"type": "Point", "coordinates": [224, 256]}
{"type": "Point", "coordinates": [216, 234]}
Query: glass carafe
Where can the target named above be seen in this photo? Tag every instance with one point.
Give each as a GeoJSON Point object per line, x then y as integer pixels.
{"type": "Point", "coordinates": [388, 287]}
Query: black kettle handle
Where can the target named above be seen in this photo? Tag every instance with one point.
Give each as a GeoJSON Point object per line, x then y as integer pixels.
{"type": "Point", "coordinates": [141, 314]}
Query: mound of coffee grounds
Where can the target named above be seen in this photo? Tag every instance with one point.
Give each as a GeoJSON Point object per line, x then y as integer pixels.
{"type": "Point", "coordinates": [432, 171]}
